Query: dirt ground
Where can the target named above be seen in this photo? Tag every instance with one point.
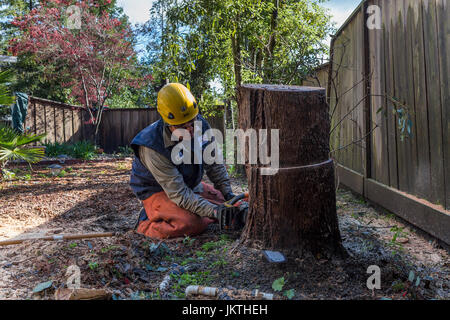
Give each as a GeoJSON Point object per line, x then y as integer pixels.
{"type": "Point", "coordinates": [95, 197]}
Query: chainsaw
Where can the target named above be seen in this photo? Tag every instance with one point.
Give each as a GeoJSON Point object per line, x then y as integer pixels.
{"type": "Point", "coordinates": [240, 201]}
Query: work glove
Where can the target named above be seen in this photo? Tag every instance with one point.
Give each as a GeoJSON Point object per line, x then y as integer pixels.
{"type": "Point", "coordinates": [241, 218]}
{"type": "Point", "coordinates": [229, 196]}
{"type": "Point", "coordinates": [227, 216]}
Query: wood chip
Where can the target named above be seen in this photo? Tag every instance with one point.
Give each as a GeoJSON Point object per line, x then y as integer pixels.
{"type": "Point", "coordinates": [82, 294]}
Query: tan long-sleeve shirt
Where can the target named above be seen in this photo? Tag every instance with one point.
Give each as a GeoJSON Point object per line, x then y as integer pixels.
{"type": "Point", "coordinates": [172, 182]}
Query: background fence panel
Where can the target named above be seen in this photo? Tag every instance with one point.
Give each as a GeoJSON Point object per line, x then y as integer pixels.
{"type": "Point", "coordinates": [408, 74]}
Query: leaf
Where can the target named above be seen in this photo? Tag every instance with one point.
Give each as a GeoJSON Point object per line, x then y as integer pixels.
{"type": "Point", "coordinates": [42, 286]}
{"type": "Point", "coordinates": [409, 126]}
{"type": "Point", "coordinates": [278, 284]}
{"type": "Point", "coordinates": [417, 281]}
{"type": "Point", "coordinates": [154, 247]}
{"type": "Point", "coordinates": [394, 238]}
{"type": "Point", "coordinates": [289, 293]}
{"type": "Point", "coordinates": [411, 276]}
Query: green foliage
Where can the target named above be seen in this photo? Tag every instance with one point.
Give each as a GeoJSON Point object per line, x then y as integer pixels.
{"type": "Point", "coordinates": [126, 99]}
{"type": "Point", "coordinates": [126, 151]}
{"type": "Point", "coordinates": [278, 284]}
{"type": "Point", "coordinates": [62, 174]}
{"type": "Point", "coordinates": [229, 42]}
{"type": "Point", "coordinates": [289, 293]}
{"type": "Point", "coordinates": [398, 286]}
{"type": "Point", "coordinates": [13, 146]}
{"type": "Point", "coordinates": [93, 265]}
{"type": "Point", "coordinates": [8, 10]}
{"type": "Point", "coordinates": [6, 97]}
{"type": "Point", "coordinates": [188, 241]}
{"type": "Point", "coordinates": [219, 263]}
{"type": "Point", "coordinates": [79, 150]}
{"type": "Point", "coordinates": [30, 76]}
{"type": "Point", "coordinates": [208, 246]}
{"type": "Point", "coordinates": [104, 250]}
{"type": "Point", "coordinates": [8, 175]}
{"type": "Point", "coordinates": [187, 279]}
{"type": "Point", "coordinates": [121, 167]}
{"type": "Point", "coordinates": [208, 103]}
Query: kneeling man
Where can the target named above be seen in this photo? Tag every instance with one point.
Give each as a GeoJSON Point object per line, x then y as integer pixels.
{"type": "Point", "coordinates": [175, 201]}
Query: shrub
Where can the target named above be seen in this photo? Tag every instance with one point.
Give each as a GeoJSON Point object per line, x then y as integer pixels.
{"type": "Point", "coordinates": [79, 150]}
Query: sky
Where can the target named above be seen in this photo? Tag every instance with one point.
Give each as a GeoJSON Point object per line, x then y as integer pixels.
{"type": "Point", "coordinates": [139, 10]}
{"type": "Point", "coordinates": [341, 9]}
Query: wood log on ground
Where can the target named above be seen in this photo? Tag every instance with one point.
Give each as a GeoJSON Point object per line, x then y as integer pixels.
{"type": "Point", "coordinates": [82, 294]}
{"type": "Point", "coordinates": [295, 209]}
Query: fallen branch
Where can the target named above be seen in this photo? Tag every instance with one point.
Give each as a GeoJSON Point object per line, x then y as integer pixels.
{"type": "Point", "coordinates": [60, 237]}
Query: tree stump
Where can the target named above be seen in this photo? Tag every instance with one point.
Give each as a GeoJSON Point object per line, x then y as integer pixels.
{"type": "Point", "coordinates": [295, 209]}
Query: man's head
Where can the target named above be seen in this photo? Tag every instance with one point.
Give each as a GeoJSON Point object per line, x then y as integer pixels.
{"type": "Point", "coordinates": [177, 107]}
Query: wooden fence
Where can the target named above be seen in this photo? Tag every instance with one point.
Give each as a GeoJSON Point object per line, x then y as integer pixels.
{"type": "Point", "coordinates": [67, 123]}
{"type": "Point", "coordinates": [389, 96]}
{"type": "Point", "coordinates": [120, 126]}
{"type": "Point", "coordinates": [60, 122]}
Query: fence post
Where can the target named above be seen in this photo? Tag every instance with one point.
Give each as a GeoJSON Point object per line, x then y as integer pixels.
{"type": "Point", "coordinates": [367, 94]}
{"type": "Point", "coordinates": [330, 73]}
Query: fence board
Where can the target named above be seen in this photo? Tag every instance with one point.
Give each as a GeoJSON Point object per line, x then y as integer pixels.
{"type": "Point", "coordinates": [50, 123]}
{"type": "Point", "coordinates": [422, 172]}
{"type": "Point", "coordinates": [400, 92]}
{"type": "Point", "coordinates": [67, 125]}
{"type": "Point", "coordinates": [411, 141]}
{"type": "Point", "coordinates": [40, 118]}
{"type": "Point", "coordinates": [59, 125]}
{"type": "Point", "coordinates": [380, 161]}
{"type": "Point", "coordinates": [77, 123]}
{"type": "Point", "coordinates": [128, 130]}
{"type": "Point", "coordinates": [391, 118]}
{"type": "Point", "coordinates": [409, 61]}
{"type": "Point", "coordinates": [110, 135]}
{"type": "Point", "coordinates": [443, 27]}
{"type": "Point", "coordinates": [357, 119]}
{"type": "Point", "coordinates": [346, 78]}
{"type": "Point", "coordinates": [434, 102]}
{"type": "Point", "coordinates": [30, 125]}
{"type": "Point", "coordinates": [335, 100]}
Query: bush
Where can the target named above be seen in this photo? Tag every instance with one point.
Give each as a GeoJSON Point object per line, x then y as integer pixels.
{"type": "Point", "coordinates": [79, 150]}
{"type": "Point", "coordinates": [15, 146]}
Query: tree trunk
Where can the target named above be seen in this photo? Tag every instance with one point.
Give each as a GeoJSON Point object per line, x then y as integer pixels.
{"type": "Point", "coordinates": [295, 209]}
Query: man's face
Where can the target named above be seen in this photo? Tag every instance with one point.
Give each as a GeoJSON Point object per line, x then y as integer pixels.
{"type": "Point", "coordinates": [189, 126]}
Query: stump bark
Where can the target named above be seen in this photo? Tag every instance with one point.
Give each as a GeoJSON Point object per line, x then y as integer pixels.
{"type": "Point", "coordinates": [295, 209]}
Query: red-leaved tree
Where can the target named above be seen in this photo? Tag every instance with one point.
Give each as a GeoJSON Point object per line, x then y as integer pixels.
{"type": "Point", "coordinates": [87, 49]}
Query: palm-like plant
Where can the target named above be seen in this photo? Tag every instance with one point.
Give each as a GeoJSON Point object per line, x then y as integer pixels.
{"type": "Point", "coordinates": [6, 98]}
{"type": "Point", "coordinates": [13, 146]}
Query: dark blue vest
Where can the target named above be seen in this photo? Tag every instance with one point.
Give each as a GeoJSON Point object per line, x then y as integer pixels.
{"type": "Point", "coordinates": [142, 182]}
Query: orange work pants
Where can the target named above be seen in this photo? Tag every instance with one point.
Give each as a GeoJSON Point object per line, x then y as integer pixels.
{"type": "Point", "coordinates": [167, 220]}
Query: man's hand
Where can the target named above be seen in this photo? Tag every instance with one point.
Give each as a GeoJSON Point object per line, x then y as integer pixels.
{"type": "Point", "coordinates": [226, 216]}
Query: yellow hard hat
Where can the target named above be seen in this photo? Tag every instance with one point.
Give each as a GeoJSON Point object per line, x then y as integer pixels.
{"type": "Point", "coordinates": [176, 104]}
